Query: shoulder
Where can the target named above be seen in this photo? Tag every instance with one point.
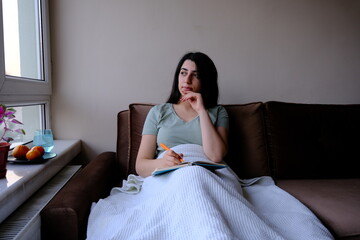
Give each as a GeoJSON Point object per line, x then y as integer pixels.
{"type": "Point", "coordinates": [219, 116]}
{"type": "Point", "coordinates": [161, 108]}
{"type": "Point", "coordinates": [217, 110]}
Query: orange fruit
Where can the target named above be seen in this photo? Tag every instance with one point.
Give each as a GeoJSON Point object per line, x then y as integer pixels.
{"type": "Point", "coordinates": [20, 151]}
{"type": "Point", "coordinates": [33, 154]}
{"type": "Point", "coordinates": [39, 148]}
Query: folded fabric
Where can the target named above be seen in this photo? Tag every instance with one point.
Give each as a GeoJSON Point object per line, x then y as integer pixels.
{"type": "Point", "coordinates": [132, 185]}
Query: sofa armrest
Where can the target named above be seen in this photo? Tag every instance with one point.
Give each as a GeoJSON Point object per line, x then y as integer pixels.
{"type": "Point", "coordinates": [66, 215]}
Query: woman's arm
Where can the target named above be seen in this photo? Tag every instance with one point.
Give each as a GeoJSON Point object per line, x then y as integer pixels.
{"type": "Point", "coordinates": [214, 139]}
{"type": "Point", "coordinates": [145, 162]}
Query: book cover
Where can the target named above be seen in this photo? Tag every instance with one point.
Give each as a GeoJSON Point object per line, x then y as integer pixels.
{"type": "Point", "coordinates": [207, 165]}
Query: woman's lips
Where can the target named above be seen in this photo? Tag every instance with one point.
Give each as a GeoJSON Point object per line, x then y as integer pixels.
{"type": "Point", "coordinates": [187, 89]}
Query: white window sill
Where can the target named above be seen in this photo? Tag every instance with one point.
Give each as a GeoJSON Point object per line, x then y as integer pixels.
{"type": "Point", "coordinates": [24, 180]}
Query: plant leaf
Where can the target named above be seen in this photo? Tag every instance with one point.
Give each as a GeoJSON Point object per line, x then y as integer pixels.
{"type": "Point", "coordinates": [2, 109]}
{"type": "Point", "coordinates": [16, 121]}
{"type": "Point", "coordinates": [21, 131]}
{"type": "Point", "coordinates": [7, 139]}
{"type": "Point", "coordinates": [10, 114]}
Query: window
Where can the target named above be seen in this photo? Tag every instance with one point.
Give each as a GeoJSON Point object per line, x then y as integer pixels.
{"type": "Point", "coordinates": [33, 116]}
{"type": "Point", "coordinates": [25, 63]}
{"type": "Point", "coordinates": [22, 39]}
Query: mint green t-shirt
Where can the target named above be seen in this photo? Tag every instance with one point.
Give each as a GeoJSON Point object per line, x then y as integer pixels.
{"type": "Point", "coordinates": [171, 130]}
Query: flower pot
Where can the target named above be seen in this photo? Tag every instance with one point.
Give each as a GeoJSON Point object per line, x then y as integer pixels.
{"type": "Point", "coordinates": [4, 152]}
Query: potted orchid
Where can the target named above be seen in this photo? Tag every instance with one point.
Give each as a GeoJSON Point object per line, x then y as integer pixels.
{"type": "Point", "coordinates": [7, 119]}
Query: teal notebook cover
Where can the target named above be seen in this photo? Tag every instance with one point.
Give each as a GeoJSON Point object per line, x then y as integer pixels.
{"type": "Point", "coordinates": [207, 165]}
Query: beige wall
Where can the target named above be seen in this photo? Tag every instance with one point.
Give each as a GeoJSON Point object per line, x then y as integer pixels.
{"type": "Point", "coordinates": [107, 54]}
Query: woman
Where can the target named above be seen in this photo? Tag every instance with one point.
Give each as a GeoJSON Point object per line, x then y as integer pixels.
{"type": "Point", "coordinates": [193, 202]}
{"type": "Point", "coordinates": [191, 115]}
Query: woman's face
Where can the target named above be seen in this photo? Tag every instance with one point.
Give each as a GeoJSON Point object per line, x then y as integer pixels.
{"type": "Point", "coordinates": [188, 78]}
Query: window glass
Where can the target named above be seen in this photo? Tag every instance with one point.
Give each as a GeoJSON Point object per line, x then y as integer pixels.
{"type": "Point", "coordinates": [32, 118]}
{"type": "Point", "coordinates": [22, 38]}
{"type": "Point", "coordinates": [25, 73]}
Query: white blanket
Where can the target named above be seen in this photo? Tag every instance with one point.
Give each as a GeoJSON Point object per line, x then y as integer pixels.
{"type": "Point", "coordinates": [195, 203]}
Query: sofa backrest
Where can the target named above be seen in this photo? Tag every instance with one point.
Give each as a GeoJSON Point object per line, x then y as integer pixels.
{"type": "Point", "coordinates": [313, 140]}
{"type": "Point", "coordinates": [247, 147]}
{"type": "Point", "coordinates": [284, 140]}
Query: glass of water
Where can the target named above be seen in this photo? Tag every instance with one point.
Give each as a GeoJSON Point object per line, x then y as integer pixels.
{"type": "Point", "coordinates": [44, 138]}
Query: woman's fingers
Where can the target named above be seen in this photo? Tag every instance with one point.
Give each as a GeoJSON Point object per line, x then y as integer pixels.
{"type": "Point", "coordinates": [191, 96]}
{"type": "Point", "coordinates": [195, 100]}
{"type": "Point", "coordinates": [172, 157]}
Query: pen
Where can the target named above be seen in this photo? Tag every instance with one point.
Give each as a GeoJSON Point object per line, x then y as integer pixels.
{"type": "Point", "coordinates": [166, 148]}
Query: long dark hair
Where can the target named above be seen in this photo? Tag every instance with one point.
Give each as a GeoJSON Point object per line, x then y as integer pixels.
{"type": "Point", "coordinates": [208, 77]}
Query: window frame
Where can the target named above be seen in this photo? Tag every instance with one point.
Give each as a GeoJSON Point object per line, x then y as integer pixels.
{"type": "Point", "coordinates": [16, 91]}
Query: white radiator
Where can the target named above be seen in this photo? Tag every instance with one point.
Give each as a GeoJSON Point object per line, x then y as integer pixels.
{"type": "Point", "coordinates": [25, 222]}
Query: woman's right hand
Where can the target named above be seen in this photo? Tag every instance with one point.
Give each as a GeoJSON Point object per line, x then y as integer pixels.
{"type": "Point", "coordinates": [145, 161]}
{"type": "Point", "coordinates": [170, 158]}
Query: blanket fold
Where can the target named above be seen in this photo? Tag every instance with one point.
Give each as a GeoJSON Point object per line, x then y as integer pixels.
{"type": "Point", "coordinates": [132, 185]}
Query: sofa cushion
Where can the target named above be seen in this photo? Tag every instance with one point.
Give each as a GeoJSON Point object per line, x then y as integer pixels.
{"type": "Point", "coordinates": [334, 201]}
{"type": "Point", "coordinates": [313, 140]}
{"type": "Point", "coordinates": [247, 154]}
{"type": "Point", "coordinates": [122, 143]}
{"type": "Point", "coordinates": [138, 113]}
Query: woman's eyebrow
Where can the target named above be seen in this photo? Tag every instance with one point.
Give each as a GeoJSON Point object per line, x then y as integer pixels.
{"type": "Point", "coordinates": [185, 69]}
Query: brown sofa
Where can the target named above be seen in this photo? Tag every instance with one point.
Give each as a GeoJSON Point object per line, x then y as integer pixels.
{"type": "Point", "coordinates": [311, 150]}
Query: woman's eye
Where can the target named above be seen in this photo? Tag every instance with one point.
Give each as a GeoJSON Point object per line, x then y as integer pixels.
{"type": "Point", "coordinates": [196, 75]}
{"type": "Point", "coordinates": [183, 73]}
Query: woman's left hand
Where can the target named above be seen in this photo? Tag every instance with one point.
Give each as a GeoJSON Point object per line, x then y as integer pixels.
{"type": "Point", "coordinates": [195, 100]}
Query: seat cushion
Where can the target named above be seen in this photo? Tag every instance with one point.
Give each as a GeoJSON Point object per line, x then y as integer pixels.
{"type": "Point", "coordinates": [336, 202]}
